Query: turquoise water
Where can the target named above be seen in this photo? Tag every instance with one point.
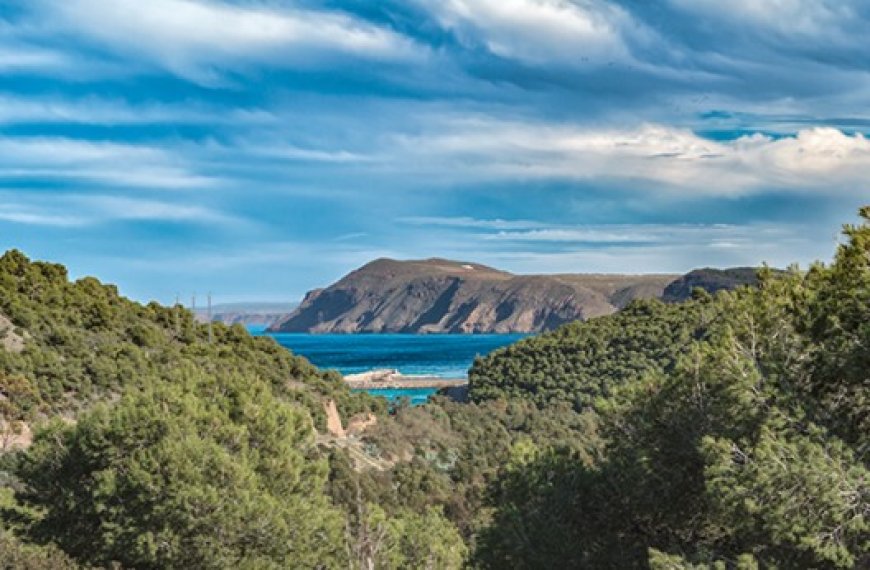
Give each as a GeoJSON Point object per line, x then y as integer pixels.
{"type": "Point", "coordinates": [416, 396]}
{"type": "Point", "coordinates": [442, 355]}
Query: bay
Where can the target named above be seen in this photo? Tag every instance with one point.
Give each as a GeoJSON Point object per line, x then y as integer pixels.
{"type": "Point", "coordinates": [441, 355]}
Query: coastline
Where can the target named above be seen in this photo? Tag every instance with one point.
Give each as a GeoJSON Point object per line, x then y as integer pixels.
{"type": "Point", "coordinates": [393, 379]}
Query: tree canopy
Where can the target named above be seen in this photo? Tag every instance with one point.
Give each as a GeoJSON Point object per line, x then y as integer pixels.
{"type": "Point", "coordinates": [749, 448]}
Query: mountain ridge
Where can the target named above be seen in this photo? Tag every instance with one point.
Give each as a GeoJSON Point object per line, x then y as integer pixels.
{"type": "Point", "coordinates": [437, 295]}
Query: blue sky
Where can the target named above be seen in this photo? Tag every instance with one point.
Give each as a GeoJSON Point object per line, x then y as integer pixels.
{"type": "Point", "coordinates": [259, 149]}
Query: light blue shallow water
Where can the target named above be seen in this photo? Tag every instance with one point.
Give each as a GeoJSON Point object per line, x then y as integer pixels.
{"type": "Point", "coordinates": [416, 396]}
{"type": "Point", "coordinates": [443, 355]}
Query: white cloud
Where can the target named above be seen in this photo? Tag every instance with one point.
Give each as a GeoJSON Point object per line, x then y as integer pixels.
{"type": "Point", "coordinates": [33, 217]}
{"type": "Point", "coordinates": [667, 258]}
{"type": "Point", "coordinates": [100, 111]}
{"type": "Point", "coordinates": [121, 208]}
{"type": "Point", "coordinates": [793, 18]}
{"type": "Point", "coordinates": [579, 235]}
{"type": "Point", "coordinates": [467, 222]}
{"type": "Point", "coordinates": [526, 239]}
{"type": "Point", "coordinates": [194, 38]}
{"type": "Point", "coordinates": [283, 151]}
{"type": "Point", "coordinates": [622, 248]}
{"type": "Point", "coordinates": [640, 248]}
{"type": "Point", "coordinates": [538, 30]}
{"type": "Point", "coordinates": [16, 57]}
{"type": "Point", "coordinates": [714, 235]}
{"type": "Point", "coordinates": [816, 159]}
{"type": "Point", "coordinates": [68, 211]}
{"type": "Point", "coordinates": [107, 163]}
{"type": "Point", "coordinates": [625, 248]}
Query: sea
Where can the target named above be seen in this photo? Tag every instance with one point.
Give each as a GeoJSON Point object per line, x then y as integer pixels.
{"type": "Point", "coordinates": [441, 355]}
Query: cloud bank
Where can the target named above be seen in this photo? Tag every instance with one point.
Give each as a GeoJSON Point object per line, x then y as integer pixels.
{"type": "Point", "coordinates": [544, 135]}
{"type": "Point", "coordinates": [196, 37]}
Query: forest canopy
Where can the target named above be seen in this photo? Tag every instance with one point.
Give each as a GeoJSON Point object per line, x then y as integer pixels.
{"type": "Point", "coordinates": [734, 430]}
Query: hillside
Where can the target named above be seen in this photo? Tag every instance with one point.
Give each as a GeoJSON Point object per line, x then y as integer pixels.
{"type": "Point", "coordinates": [80, 342]}
{"type": "Point", "coordinates": [711, 280]}
{"type": "Point", "coordinates": [160, 443]}
{"type": "Point", "coordinates": [734, 428]}
{"type": "Point", "coordinates": [442, 296]}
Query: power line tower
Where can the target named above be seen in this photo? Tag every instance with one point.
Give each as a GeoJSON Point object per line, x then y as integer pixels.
{"type": "Point", "coordinates": [176, 309]}
{"type": "Point", "coordinates": [193, 310]}
{"type": "Point", "coordinates": [210, 328]}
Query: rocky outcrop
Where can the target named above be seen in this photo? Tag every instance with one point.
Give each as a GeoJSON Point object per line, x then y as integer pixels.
{"type": "Point", "coordinates": [333, 420]}
{"type": "Point", "coordinates": [9, 339]}
{"type": "Point", "coordinates": [15, 435]}
{"type": "Point", "coordinates": [442, 296]}
{"type": "Point", "coordinates": [356, 426]}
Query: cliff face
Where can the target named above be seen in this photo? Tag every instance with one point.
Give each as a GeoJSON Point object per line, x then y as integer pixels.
{"type": "Point", "coordinates": [441, 296]}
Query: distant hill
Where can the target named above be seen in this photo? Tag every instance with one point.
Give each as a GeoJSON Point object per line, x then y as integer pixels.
{"type": "Point", "coordinates": [265, 314]}
{"type": "Point", "coordinates": [443, 296]}
{"type": "Point", "coordinates": [710, 280]}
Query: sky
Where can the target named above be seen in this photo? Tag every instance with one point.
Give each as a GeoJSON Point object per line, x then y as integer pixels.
{"type": "Point", "coordinates": [261, 148]}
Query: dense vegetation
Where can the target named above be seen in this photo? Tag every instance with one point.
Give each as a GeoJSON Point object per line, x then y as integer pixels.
{"type": "Point", "coordinates": [585, 360]}
{"type": "Point", "coordinates": [86, 343]}
{"type": "Point", "coordinates": [165, 450]}
{"type": "Point", "coordinates": [746, 446]}
{"type": "Point", "coordinates": [729, 431]}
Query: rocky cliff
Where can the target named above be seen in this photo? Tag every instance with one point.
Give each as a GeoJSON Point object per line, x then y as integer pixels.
{"type": "Point", "coordinates": [442, 296]}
